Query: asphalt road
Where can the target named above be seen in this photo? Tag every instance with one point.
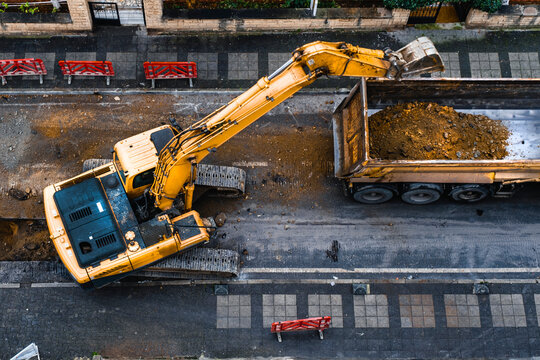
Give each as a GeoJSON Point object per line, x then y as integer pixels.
{"type": "Point", "coordinates": [293, 211]}
{"type": "Point", "coordinates": [294, 207]}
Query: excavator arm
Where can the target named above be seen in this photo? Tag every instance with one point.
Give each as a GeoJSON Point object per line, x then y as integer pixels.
{"type": "Point", "coordinates": [176, 169]}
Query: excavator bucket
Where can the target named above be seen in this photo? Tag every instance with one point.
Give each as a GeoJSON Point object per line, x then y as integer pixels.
{"type": "Point", "coordinates": [418, 57]}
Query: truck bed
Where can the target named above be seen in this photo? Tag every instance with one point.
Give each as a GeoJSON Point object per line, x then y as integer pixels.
{"type": "Point", "coordinates": [513, 102]}
{"type": "Point", "coordinates": [523, 124]}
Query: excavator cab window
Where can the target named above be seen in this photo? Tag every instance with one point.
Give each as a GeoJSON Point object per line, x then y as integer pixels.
{"type": "Point", "coordinates": [144, 178]}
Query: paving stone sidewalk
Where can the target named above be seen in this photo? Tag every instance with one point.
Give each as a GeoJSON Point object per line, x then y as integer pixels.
{"type": "Point", "coordinates": [394, 320]}
{"type": "Point", "coordinates": [236, 61]}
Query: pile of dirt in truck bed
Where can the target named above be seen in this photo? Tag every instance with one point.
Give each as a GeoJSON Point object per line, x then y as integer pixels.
{"type": "Point", "coordinates": [428, 131]}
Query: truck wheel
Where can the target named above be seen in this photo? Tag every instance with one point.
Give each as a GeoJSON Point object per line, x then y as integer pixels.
{"type": "Point", "coordinates": [373, 194]}
{"type": "Point", "coordinates": [90, 164]}
{"type": "Point", "coordinates": [421, 194]}
{"type": "Point", "coordinates": [469, 193]}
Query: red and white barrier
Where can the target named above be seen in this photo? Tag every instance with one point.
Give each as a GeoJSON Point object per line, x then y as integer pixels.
{"type": "Point", "coordinates": [318, 323]}
{"type": "Point", "coordinates": [87, 68]}
{"type": "Point", "coordinates": [18, 67]}
{"type": "Point", "coordinates": [170, 70]}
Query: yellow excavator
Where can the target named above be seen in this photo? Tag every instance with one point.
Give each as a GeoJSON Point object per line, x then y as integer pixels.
{"type": "Point", "coordinates": [135, 211]}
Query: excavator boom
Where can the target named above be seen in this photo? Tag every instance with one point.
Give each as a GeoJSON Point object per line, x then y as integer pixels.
{"type": "Point", "coordinates": [176, 169]}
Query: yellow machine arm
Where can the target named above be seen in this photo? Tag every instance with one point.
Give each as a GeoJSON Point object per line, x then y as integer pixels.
{"type": "Point", "coordinates": [176, 169]}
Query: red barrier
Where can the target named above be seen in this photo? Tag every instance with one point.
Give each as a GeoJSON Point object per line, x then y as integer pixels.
{"type": "Point", "coordinates": [170, 70]}
{"type": "Point", "coordinates": [87, 68]}
{"type": "Point", "coordinates": [318, 323]}
{"type": "Point", "coordinates": [17, 67]}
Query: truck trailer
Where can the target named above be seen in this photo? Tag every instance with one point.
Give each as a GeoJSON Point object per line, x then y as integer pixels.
{"type": "Point", "coordinates": [372, 180]}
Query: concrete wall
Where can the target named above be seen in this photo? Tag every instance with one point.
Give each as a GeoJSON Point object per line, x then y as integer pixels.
{"type": "Point", "coordinates": [508, 17]}
{"type": "Point", "coordinates": [514, 16]}
{"type": "Point", "coordinates": [383, 19]}
{"type": "Point", "coordinates": [80, 21]}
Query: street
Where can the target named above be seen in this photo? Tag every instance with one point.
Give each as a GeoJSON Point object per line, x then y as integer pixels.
{"type": "Point", "coordinates": [285, 226]}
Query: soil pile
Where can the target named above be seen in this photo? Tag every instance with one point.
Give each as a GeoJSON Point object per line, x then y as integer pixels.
{"type": "Point", "coordinates": [428, 131]}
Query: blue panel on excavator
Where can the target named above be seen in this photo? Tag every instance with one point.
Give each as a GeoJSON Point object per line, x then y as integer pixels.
{"type": "Point", "coordinates": [89, 222]}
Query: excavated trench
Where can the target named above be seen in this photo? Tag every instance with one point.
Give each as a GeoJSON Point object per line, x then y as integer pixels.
{"type": "Point", "coordinates": [25, 240]}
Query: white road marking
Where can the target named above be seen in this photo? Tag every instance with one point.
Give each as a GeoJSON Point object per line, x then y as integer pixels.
{"type": "Point", "coordinates": [53, 285]}
{"type": "Point", "coordinates": [10, 286]}
{"type": "Point", "coordinates": [65, 104]}
{"type": "Point", "coordinates": [250, 163]}
{"type": "Point", "coordinates": [330, 281]}
{"type": "Point", "coordinates": [180, 92]}
{"type": "Point", "coordinates": [324, 282]}
{"type": "Point", "coordinates": [390, 270]}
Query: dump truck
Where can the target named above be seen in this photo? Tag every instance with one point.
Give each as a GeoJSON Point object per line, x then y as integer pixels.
{"type": "Point", "coordinates": [371, 180]}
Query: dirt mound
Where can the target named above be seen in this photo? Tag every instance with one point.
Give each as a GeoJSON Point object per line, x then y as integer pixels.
{"type": "Point", "coordinates": [428, 131]}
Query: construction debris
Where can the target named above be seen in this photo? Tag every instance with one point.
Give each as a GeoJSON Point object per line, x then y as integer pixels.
{"type": "Point", "coordinates": [333, 252]}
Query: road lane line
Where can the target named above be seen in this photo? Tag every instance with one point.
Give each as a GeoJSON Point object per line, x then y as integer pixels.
{"type": "Point", "coordinates": [250, 163]}
{"type": "Point", "coordinates": [65, 104]}
{"type": "Point", "coordinates": [181, 92]}
{"type": "Point", "coordinates": [10, 286]}
{"type": "Point", "coordinates": [53, 285]}
{"type": "Point", "coordinates": [330, 281]}
{"type": "Point", "coordinates": [391, 270]}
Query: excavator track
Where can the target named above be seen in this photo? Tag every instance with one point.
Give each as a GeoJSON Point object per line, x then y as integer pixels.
{"type": "Point", "coordinates": [227, 181]}
{"type": "Point", "coordinates": [223, 181]}
{"type": "Point", "coordinates": [196, 263]}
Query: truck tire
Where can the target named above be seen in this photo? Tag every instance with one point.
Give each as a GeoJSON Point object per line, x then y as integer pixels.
{"type": "Point", "coordinates": [469, 193]}
{"type": "Point", "coordinates": [90, 164]}
{"type": "Point", "coordinates": [421, 194]}
{"type": "Point", "coordinates": [373, 194]}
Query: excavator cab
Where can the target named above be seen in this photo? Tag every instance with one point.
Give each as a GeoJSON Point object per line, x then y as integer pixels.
{"type": "Point", "coordinates": [135, 158]}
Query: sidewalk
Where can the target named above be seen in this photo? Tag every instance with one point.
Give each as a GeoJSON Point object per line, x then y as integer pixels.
{"type": "Point", "coordinates": [236, 61]}
{"type": "Point", "coordinates": [415, 319]}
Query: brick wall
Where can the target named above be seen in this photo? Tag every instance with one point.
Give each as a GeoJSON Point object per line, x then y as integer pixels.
{"type": "Point", "coordinates": [509, 17]}
{"type": "Point", "coordinates": [388, 19]}
{"type": "Point", "coordinates": [80, 21]}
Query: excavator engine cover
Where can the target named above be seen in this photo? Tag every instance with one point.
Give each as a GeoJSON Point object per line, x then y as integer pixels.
{"type": "Point", "coordinates": [187, 227]}
{"type": "Point", "coordinates": [89, 222]}
{"type": "Point", "coordinates": [154, 230]}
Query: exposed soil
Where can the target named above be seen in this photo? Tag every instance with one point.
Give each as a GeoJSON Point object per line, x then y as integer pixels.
{"type": "Point", "coordinates": [428, 131]}
{"type": "Point", "coordinates": [296, 161]}
{"type": "Point", "coordinates": [25, 240]}
{"type": "Point", "coordinates": [48, 143]}
{"type": "Point", "coordinates": [286, 162]}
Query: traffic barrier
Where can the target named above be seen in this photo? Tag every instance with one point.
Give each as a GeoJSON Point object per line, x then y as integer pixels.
{"type": "Point", "coordinates": [87, 68]}
{"type": "Point", "coordinates": [18, 67]}
{"type": "Point", "coordinates": [170, 70]}
{"type": "Point", "coordinates": [318, 323]}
